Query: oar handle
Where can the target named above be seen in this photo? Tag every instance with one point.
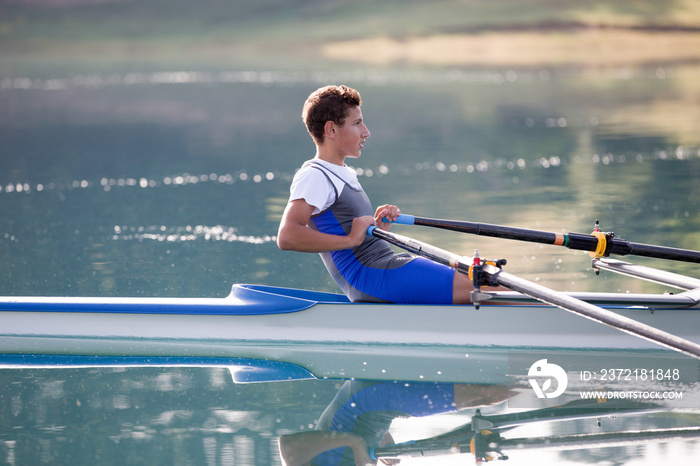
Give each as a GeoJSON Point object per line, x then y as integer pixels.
{"type": "Point", "coordinates": [402, 219]}
{"type": "Point", "coordinates": [371, 453]}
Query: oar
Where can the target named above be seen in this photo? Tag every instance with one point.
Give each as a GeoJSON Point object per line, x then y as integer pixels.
{"type": "Point", "coordinates": [541, 293]}
{"type": "Point", "coordinates": [598, 244]}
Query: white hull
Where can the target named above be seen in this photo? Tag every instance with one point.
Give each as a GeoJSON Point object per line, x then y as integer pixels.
{"type": "Point", "coordinates": [335, 340]}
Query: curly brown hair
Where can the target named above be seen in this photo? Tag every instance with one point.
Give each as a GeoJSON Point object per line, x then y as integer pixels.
{"type": "Point", "coordinates": [329, 103]}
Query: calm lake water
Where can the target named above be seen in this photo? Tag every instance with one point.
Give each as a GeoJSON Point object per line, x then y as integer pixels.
{"type": "Point", "coordinates": [172, 184]}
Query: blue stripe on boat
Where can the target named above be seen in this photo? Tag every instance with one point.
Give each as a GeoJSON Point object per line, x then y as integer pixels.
{"type": "Point", "coordinates": [243, 300]}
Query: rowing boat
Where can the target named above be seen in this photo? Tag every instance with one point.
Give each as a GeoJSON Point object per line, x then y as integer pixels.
{"type": "Point", "coordinates": [323, 335]}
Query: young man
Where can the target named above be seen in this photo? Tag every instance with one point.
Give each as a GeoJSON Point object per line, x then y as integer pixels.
{"type": "Point", "coordinates": [329, 213]}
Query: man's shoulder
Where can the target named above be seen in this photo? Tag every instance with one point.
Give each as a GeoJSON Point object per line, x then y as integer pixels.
{"type": "Point", "coordinates": [311, 180]}
{"type": "Point", "coordinates": [343, 173]}
{"type": "Point", "coordinates": [309, 169]}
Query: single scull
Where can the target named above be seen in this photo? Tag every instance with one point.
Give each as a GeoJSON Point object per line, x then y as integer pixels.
{"type": "Point", "coordinates": [326, 336]}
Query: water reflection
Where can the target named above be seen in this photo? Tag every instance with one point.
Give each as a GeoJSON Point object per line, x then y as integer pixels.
{"type": "Point", "coordinates": [500, 165]}
{"type": "Point", "coordinates": [171, 234]}
{"type": "Point", "coordinates": [276, 78]}
{"type": "Point", "coordinates": [197, 415]}
{"type": "Point", "coordinates": [484, 437]}
{"type": "Point", "coordinates": [360, 415]}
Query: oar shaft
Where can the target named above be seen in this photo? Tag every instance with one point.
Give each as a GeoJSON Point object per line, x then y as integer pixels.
{"type": "Point", "coordinates": [483, 229]}
{"type": "Point", "coordinates": [575, 241]}
{"type": "Point", "coordinates": [662, 252]}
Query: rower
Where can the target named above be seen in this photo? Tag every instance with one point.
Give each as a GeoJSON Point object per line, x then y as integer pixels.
{"type": "Point", "coordinates": [329, 213]}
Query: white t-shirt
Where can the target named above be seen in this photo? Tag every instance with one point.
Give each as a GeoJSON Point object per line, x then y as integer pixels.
{"type": "Point", "coordinates": [312, 185]}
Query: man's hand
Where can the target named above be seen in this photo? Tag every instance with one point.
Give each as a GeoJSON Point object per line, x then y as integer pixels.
{"type": "Point", "coordinates": [360, 451]}
{"type": "Point", "coordinates": [388, 211]}
{"type": "Point", "coordinates": [359, 229]}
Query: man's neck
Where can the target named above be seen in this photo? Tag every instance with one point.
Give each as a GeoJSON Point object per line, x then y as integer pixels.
{"type": "Point", "coordinates": [330, 157]}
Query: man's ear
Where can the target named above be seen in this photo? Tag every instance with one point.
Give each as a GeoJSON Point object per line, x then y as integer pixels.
{"type": "Point", "coordinates": [329, 129]}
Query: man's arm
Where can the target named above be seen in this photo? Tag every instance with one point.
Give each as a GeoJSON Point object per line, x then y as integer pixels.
{"type": "Point", "coordinates": [295, 235]}
{"type": "Point", "coordinates": [300, 448]}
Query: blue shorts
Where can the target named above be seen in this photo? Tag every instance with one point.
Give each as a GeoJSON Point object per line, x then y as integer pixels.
{"type": "Point", "coordinates": [418, 281]}
{"type": "Point", "coordinates": [372, 272]}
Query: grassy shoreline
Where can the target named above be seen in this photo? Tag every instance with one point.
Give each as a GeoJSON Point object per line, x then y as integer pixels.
{"type": "Point", "coordinates": [590, 47]}
{"type": "Point", "coordinates": [296, 34]}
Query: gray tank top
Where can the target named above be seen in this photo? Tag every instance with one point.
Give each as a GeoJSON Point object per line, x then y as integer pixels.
{"type": "Point", "coordinates": [345, 265]}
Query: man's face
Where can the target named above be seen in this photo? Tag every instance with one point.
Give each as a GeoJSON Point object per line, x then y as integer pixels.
{"type": "Point", "coordinates": [351, 136]}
